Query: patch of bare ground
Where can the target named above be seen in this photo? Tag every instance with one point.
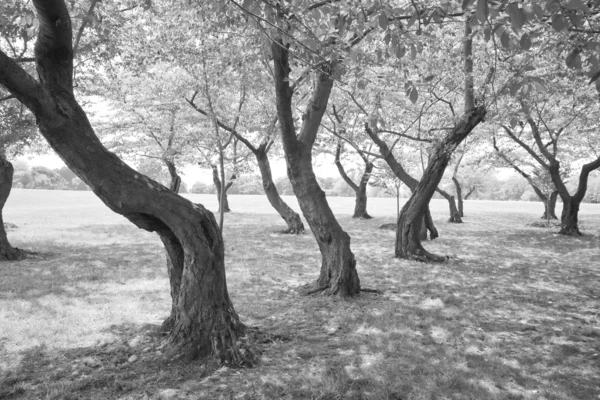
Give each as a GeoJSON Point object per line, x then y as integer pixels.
{"type": "Point", "coordinates": [512, 315]}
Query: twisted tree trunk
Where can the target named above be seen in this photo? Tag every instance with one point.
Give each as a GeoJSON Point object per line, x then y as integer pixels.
{"type": "Point", "coordinates": [408, 243]}
{"type": "Point", "coordinates": [7, 252]}
{"type": "Point", "coordinates": [338, 268]}
{"type": "Point", "coordinates": [203, 319]}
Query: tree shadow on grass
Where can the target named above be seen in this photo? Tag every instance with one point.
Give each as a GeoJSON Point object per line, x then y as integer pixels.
{"type": "Point", "coordinates": [68, 270]}
{"type": "Point", "coordinates": [132, 364]}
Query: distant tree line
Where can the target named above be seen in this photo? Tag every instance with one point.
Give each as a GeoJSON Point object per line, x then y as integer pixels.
{"type": "Point", "coordinates": [480, 187]}
{"type": "Point", "coordinates": [486, 187]}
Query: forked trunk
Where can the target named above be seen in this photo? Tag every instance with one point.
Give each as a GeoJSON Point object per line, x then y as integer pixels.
{"type": "Point", "coordinates": [455, 216]}
{"type": "Point", "coordinates": [338, 269]}
{"type": "Point", "coordinates": [408, 243]}
{"type": "Point", "coordinates": [203, 322]}
{"type": "Point", "coordinates": [569, 219]}
{"type": "Point", "coordinates": [291, 218]}
{"type": "Point", "coordinates": [459, 197]}
{"type": "Point", "coordinates": [550, 206]}
{"type": "Point", "coordinates": [7, 252]}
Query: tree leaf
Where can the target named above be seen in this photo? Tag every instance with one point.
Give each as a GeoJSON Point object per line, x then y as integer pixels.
{"type": "Point", "coordinates": [400, 50]}
{"type": "Point", "coordinates": [482, 10]}
{"type": "Point", "coordinates": [574, 59]}
{"type": "Point", "coordinates": [513, 122]}
{"type": "Point", "coordinates": [517, 17]}
{"type": "Point", "coordinates": [525, 41]}
{"type": "Point", "coordinates": [414, 95]}
{"type": "Point", "coordinates": [558, 23]}
{"type": "Point", "coordinates": [413, 52]}
{"type": "Point", "coordinates": [538, 10]}
{"type": "Point", "coordinates": [383, 21]}
{"type": "Point", "coordinates": [412, 19]}
{"type": "Point", "coordinates": [505, 39]}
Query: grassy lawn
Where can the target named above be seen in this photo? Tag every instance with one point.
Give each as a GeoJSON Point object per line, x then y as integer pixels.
{"type": "Point", "coordinates": [514, 314]}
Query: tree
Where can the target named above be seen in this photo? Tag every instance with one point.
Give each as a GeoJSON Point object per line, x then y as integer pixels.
{"type": "Point", "coordinates": [344, 133]}
{"type": "Point", "coordinates": [539, 182]}
{"type": "Point", "coordinates": [203, 321]}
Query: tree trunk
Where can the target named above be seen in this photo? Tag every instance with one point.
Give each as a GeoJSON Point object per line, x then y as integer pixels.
{"type": "Point", "coordinates": [360, 205]}
{"type": "Point", "coordinates": [204, 321]}
{"type": "Point", "coordinates": [454, 214]}
{"type": "Point", "coordinates": [360, 190]}
{"type": "Point", "coordinates": [338, 268]}
{"type": "Point", "coordinates": [459, 197]}
{"type": "Point", "coordinates": [569, 219]}
{"type": "Point", "coordinates": [404, 177]}
{"type": "Point", "coordinates": [550, 206]}
{"type": "Point", "coordinates": [291, 218]}
{"type": "Point", "coordinates": [218, 185]}
{"type": "Point", "coordinates": [408, 244]}
{"type": "Point", "coordinates": [7, 252]}
{"type": "Point", "coordinates": [175, 184]}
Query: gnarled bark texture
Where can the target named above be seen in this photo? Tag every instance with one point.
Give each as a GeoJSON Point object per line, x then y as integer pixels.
{"type": "Point", "coordinates": [360, 190]}
{"type": "Point", "coordinates": [217, 183]}
{"type": "Point", "coordinates": [408, 244]}
{"type": "Point", "coordinates": [291, 218]}
{"type": "Point", "coordinates": [7, 252]}
{"type": "Point", "coordinates": [338, 269]}
{"type": "Point", "coordinates": [204, 321]}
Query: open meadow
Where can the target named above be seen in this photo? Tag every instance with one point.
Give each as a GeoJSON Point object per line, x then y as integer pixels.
{"type": "Point", "coordinates": [514, 313]}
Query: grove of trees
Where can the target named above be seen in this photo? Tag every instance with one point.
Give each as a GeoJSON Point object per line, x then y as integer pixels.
{"type": "Point", "coordinates": [431, 95]}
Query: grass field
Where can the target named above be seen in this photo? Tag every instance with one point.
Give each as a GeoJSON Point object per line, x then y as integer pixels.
{"type": "Point", "coordinates": [514, 314]}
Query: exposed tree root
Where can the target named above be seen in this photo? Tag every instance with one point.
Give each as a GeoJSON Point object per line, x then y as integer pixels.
{"type": "Point", "coordinates": [12, 254]}
{"type": "Point", "coordinates": [362, 216]}
{"type": "Point", "coordinates": [311, 289]}
{"type": "Point", "coordinates": [570, 232]}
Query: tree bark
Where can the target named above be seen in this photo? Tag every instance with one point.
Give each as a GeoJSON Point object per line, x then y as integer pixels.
{"type": "Point", "coordinates": [454, 213]}
{"type": "Point", "coordinates": [218, 185]}
{"type": "Point", "coordinates": [569, 219]}
{"type": "Point", "coordinates": [459, 197]}
{"type": "Point", "coordinates": [204, 321]}
{"type": "Point", "coordinates": [7, 252]}
{"type": "Point", "coordinates": [360, 190]}
{"type": "Point", "coordinates": [291, 218]}
{"type": "Point", "coordinates": [550, 206]}
{"type": "Point", "coordinates": [175, 184]}
{"type": "Point", "coordinates": [408, 244]}
{"type": "Point", "coordinates": [405, 177]}
{"type": "Point", "coordinates": [338, 268]}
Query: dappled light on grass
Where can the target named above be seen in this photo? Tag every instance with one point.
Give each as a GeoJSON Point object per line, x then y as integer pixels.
{"type": "Point", "coordinates": [512, 315]}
